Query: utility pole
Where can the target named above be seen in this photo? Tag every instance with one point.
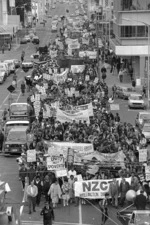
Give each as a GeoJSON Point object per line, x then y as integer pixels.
{"type": "Point", "coordinates": [97, 46]}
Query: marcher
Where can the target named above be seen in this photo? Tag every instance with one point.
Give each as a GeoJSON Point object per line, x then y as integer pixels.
{"type": "Point", "coordinates": [104, 208]}
{"type": "Point", "coordinates": [3, 49]}
{"type": "Point", "coordinates": [39, 185]}
{"type": "Point", "coordinates": [140, 201]}
{"type": "Point", "coordinates": [71, 188]}
{"type": "Point", "coordinates": [114, 192]}
{"type": "Point", "coordinates": [23, 87]}
{"type": "Point", "coordinates": [1, 140]}
{"type": "Point", "coordinates": [23, 175]}
{"type": "Point", "coordinates": [48, 214]}
{"type": "Point", "coordinates": [55, 192]}
{"type": "Point", "coordinates": [65, 192]}
{"type": "Point", "coordinates": [124, 187]}
{"type": "Point", "coordinates": [32, 192]}
{"type": "Point", "coordinates": [25, 196]}
{"type": "Point", "coordinates": [31, 173]}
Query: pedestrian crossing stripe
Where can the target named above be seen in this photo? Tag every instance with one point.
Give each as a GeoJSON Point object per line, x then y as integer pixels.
{"type": "Point", "coordinates": [41, 223]}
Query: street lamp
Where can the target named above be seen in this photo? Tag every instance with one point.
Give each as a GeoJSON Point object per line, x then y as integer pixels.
{"type": "Point", "coordinates": [148, 55]}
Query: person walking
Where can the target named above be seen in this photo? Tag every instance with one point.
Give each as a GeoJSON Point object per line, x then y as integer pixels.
{"type": "Point", "coordinates": [55, 192]}
{"type": "Point", "coordinates": [140, 201]}
{"type": "Point", "coordinates": [23, 175]}
{"type": "Point", "coordinates": [104, 208]}
{"type": "Point", "coordinates": [1, 140]}
{"type": "Point", "coordinates": [25, 196]}
{"type": "Point", "coordinates": [114, 192]}
{"type": "Point", "coordinates": [39, 185]}
{"type": "Point", "coordinates": [124, 187]}
{"type": "Point", "coordinates": [23, 87]}
{"type": "Point", "coordinates": [48, 214]}
{"type": "Point", "coordinates": [65, 191]}
{"type": "Point", "coordinates": [32, 192]}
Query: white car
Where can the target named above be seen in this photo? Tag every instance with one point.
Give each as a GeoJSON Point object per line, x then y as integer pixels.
{"type": "Point", "coordinates": [27, 65]}
{"type": "Point", "coordinates": [4, 67]}
{"type": "Point", "coordinates": [54, 27]}
{"type": "Point", "coordinates": [136, 101]}
{"type": "Point", "coordinates": [3, 76]}
{"type": "Point", "coordinates": [11, 65]}
{"type": "Point", "coordinates": [140, 217]}
{"type": "Point", "coordinates": [27, 37]}
{"type": "Point", "coordinates": [146, 131]}
{"type": "Point", "coordinates": [141, 118]}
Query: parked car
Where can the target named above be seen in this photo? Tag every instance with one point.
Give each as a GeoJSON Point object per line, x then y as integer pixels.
{"type": "Point", "coordinates": [35, 55]}
{"type": "Point", "coordinates": [3, 76]}
{"type": "Point", "coordinates": [15, 141]}
{"type": "Point", "coordinates": [141, 118]}
{"type": "Point", "coordinates": [124, 92]}
{"type": "Point", "coordinates": [4, 67]}
{"type": "Point", "coordinates": [20, 110]}
{"type": "Point", "coordinates": [35, 40]}
{"type": "Point", "coordinates": [27, 65]}
{"type": "Point", "coordinates": [11, 65]}
{"type": "Point", "coordinates": [27, 37]}
{"type": "Point", "coordinates": [16, 62]}
{"type": "Point", "coordinates": [136, 101]}
{"type": "Point", "coordinates": [146, 131]}
{"type": "Point", "coordinates": [54, 28]}
{"type": "Point", "coordinates": [23, 41]}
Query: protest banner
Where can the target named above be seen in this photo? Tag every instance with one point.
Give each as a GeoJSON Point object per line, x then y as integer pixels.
{"type": "Point", "coordinates": [77, 68]}
{"type": "Point", "coordinates": [31, 155]}
{"type": "Point", "coordinates": [61, 148]}
{"type": "Point", "coordinates": [55, 162]}
{"type": "Point", "coordinates": [88, 107]}
{"type": "Point", "coordinates": [108, 159]}
{"type": "Point", "coordinates": [142, 155]}
{"type": "Point", "coordinates": [61, 173]}
{"type": "Point", "coordinates": [90, 54]}
{"type": "Point", "coordinates": [70, 41]}
{"type": "Point", "coordinates": [74, 46]}
{"type": "Point", "coordinates": [94, 189]}
{"type": "Point", "coordinates": [147, 173]}
{"type": "Point", "coordinates": [60, 78]}
{"type": "Point", "coordinates": [63, 116]}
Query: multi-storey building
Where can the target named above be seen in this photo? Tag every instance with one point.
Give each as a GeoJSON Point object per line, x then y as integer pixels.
{"type": "Point", "coordinates": [130, 26]}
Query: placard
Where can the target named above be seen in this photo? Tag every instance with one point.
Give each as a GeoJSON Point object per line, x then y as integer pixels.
{"type": "Point", "coordinates": [114, 107]}
{"type": "Point", "coordinates": [61, 173]}
{"type": "Point", "coordinates": [142, 155]}
{"type": "Point", "coordinates": [55, 162]}
{"type": "Point", "coordinates": [31, 155]}
{"type": "Point", "coordinates": [147, 173]}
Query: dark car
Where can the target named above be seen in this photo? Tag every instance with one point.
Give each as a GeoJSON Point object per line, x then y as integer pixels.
{"type": "Point", "coordinates": [23, 41]}
{"type": "Point", "coordinates": [35, 40]}
{"type": "Point", "coordinates": [16, 141]}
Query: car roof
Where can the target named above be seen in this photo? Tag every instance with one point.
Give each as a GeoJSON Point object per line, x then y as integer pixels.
{"type": "Point", "coordinates": [135, 94]}
{"type": "Point", "coordinates": [144, 112]}
{"type": "Point", "coordinates": [19, 129]}
{"type": "Point", "coordinates": [141, 211]}
{"type": "Point", "coordinates": [19, 103]}
{"type": "Point", "coordinates": [17, 121]}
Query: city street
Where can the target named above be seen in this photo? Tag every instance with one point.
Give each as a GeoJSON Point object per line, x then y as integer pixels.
{"type": "Point", "coordinates": [70, 215]}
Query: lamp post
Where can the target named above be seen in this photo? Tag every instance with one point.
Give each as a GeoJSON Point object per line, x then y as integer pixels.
{"type": "Point", "coordinates": [148, 56]}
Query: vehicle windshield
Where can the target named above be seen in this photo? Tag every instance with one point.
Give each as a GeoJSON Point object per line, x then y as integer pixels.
{"type": "Point", "coordinates": [10, 126]}
{"type": "Point", "coordinates": [16, 136]}
{"type": "Point", "coordinates": [146, 128]}
{"type": "Point", "coordinates": [18, 108]}
{"type": "Point", "coordinates": [128, 90]}
{"type": "Point", "coordinates": [143, 218]}
{"type": "Point", "coordinates": [136, 97]}
{"type": "Point", "coordinates": [145, 116]}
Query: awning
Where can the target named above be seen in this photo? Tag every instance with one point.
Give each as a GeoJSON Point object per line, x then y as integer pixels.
{"type": "Point", "coordinates": [129, 50]}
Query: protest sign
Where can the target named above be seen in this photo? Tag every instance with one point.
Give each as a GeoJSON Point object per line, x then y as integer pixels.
{"type": "Point", "coordinates": [114, 107]}
{"type": "Point", "coordinates": [61, 173]}
{"type": "Point", "coordinates": [31, 155]}
{"type": "Point", "coordinates": [147, 173]}
{"type": "Point", "coordinates": [55, 162]}
{"type": "Point", "coordinates": [63, 116]}
{"type": "Point", "coordinates": [77, 68]}
{"type": "Point", "coordinates": [142, 155]}
{"type": "Point", "coordinates": [62, 148]}
{"type": "Point", "coordinates": [107, 159]}
{"type": "Point", "coordinates": [94, 189]}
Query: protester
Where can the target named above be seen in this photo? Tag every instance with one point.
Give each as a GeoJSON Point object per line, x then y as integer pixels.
{"type": "Point", "coordinates": [55, 192]}
{"type": "Point", "coordinates": [114, 192]}
{"type": "Point", "coordinates": [39, 185]}
{"type": "Point", "coordinates": [23, 174]}
{"type": "Point", "coordinates": [25, 196]}
{"type": "Point", "coordinates": [48, 214]}
{"type": "Point", "coordinates": [140, 201]}
{"type": "Point", "coordinates": [124, 187]}
{"type": "Point", "coordinates": [23, 87]}
{"type": "Point", "coordinates": [65, 192]}
{"type": "Point", "coordinates": [32, 192]}
{"type": "Point", "coordinates": [104, 208]}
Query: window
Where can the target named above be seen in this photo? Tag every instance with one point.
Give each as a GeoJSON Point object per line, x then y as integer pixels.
{"type": "Point", "coordinates": [128, 5]}
{"type": "Point", "coordinates": [134, 31]}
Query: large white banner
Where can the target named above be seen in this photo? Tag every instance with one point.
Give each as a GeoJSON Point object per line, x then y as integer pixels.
{"type": "Point", "coordinates": [61, 148]}
{"type": "Point", "coordinates": [63, 116]}
{"type": "Point", "coordinates": [70, 41]}
{"type": "Point", "coordinates": [90, 54]}
{"type": "Point", "coordinates": [88, 107]}
{"type": "Point", "coordinates": [12, 3]}
{"type": "Point", "coordinates": [77, 68]}
{"type": "Point", "coordinates": [74, 46]}
{"type": "Point", "coordinates": [94, 189]}
{"type": "Point", "coordinates": [55, 162]}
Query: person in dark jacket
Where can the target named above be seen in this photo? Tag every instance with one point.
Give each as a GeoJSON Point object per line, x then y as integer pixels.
{"type": "Point", "coordinates": [48, 214]}
{"type": "Point", "coordinates": [23, 174]}
{"type": "Point", "coordinates": [31, 173]}
{"type": "Point", "coordinates": [124, 187]}
{"type": "Point", "coordinates": [46, 187]}
{"type": "Point", "coordinates": [1, 140]}
{"type": "Point", "coordinates": [39, 185]}
{"type": "Point", "coordinates": [140, 201]}
{"type": "Point", "coordinates": [23, 87]}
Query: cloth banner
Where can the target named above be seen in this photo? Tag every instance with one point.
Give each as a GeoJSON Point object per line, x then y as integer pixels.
{"type": "Point", "coordinates": [55, 162]}
{"type": "Point", "coordinates": [88, 107]}
{"type": "Point", "coordinates": [77, 68]}
{"type": "Point", "coordinates": [94, 189]}
{"type": "Point", "coordinates": [61, 78]}
{"type": "Point", "coordinates": [61, 148]}
{"type": "Point", "coordinates": [142, 155]}
{"type": "Point", "coordinates": [90, 54]}
{"type": "Point", "coordinates": [108, 159]}
{"type": "Point", "coordinates": [63, 116]}
{"type": "Point", "coordinates": [74, 46]}
{"type": "Point", "coordinates": [31, 155]}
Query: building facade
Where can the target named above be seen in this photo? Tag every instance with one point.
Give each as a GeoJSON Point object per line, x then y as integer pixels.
{"type": "Point", "coordinates": [131, 30]}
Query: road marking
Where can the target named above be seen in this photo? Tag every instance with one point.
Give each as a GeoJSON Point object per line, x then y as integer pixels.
{"type": "Point", "coordinates": [5, 100]}
{"type": "Point", "coordinates": [18, 97]}
{"type": "Point", "coordinates": [55, 222]}
{"type": "Point", "coordinates": [21, 209]}
{"type": "Point", "coordinates": [80, 213]}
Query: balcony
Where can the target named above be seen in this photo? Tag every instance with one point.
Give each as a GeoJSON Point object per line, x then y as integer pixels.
{"type": "Point", "coordinates": [135, 5]}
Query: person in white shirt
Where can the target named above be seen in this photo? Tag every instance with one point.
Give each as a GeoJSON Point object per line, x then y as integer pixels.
{"type": "Point", "coordinates": [32, 192]}
{"type": "Point", "coordinates": [72, 172]}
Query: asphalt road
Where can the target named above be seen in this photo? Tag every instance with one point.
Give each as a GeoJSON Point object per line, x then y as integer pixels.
{"type": "Point", "coordinates": [83, 214]}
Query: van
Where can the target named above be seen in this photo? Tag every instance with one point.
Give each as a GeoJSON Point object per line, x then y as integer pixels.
{"type": "Point", "coordinates": [20, 111]}
{"type": "Point", "coordinates": [4, 67]}
{"type": "Point", "coordinates": [15, 123]}
{"type": "Point", "coordinates": [11, 65]}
